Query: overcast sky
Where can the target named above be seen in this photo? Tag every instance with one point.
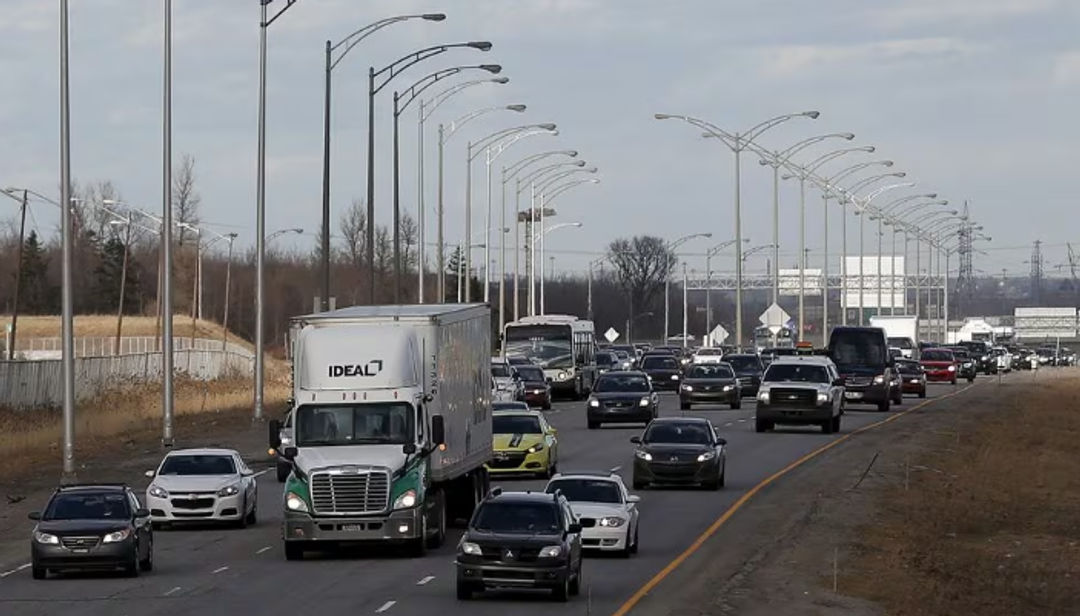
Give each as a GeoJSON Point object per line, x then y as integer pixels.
{"type": "Point", "coordinates": [975, 99]}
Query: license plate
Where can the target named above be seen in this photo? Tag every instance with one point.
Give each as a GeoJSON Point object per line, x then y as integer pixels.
{"type": "Point", "coordinates": [853, 395]}
{"type": "Point", "coordinates": [80, 551]}
{"type": "Point", "coordinates": [914, 380]}
{"type": "Point", "coordinates": [352, 528]}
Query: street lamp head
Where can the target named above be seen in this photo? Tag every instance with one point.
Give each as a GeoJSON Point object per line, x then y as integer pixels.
{"type": "Point", "coordinates": [118, 222]}
{"type": "Point", "coordinates": [232, 235]}
{"type": "Point", "coordinates": [591, 169]}
{"type": "Point", "coordinates": [547, 126]}
{"type": "Point", "coordinates": [491, 68]}
{"type": "Point", "coordinates": [517, 108]}
{"type": "Point", "coordinates": [847, 136]}
{"type": "Point", "coordinates": [434, 16]}
{"type": "Point", "coordinates": [813, 115]}
{"type": "Point", "coordinates": [886, 163]}
{"type": "Point", "coordinates": [576, 224]}
{"type": "Point", "coordinates": [481, 45]}
{"type": "Point", "coordinates": [579, 163]}
{"type": "Point", "coordinates": [900, 174]}
{"type": "Point", "coordinates": [571, 153]}
{"type": "Point", "coordinates": [787, 176]}
{"type": "Point", "coordinates": [706, 235]}
{"type": "Point", "coordinates": [868, 148]}
{"type": "Point", "coordinates": [953, 212]}
{"type": "Point", "coordinates": [663, 116]}
{"type": "Point", "coordinates": [501, 80]}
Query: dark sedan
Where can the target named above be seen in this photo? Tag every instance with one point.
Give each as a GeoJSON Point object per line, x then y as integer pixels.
{"type": "Point", "coordinates": [710, 383]}
{"type": "Point", "coordinates": [621, 397]}
{"type": "Point", "coordinates": [748, 369]}
{"type": "Point", "coordinates": [912, 376]}
{"type": "Point", "coordinates": [664, 371]}
{"type": "Point", "coordinates": [537, 389]}
{"type": "Point", "coordinates": [679, 451]}
{"type": "Point", "coordinates": [966, 368]}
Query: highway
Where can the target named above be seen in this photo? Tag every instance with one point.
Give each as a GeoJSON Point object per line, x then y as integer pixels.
{"type": "Point", "coordinates": [232, 571]}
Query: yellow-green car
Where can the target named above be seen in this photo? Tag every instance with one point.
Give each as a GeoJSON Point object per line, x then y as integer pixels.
{"type": "Point", "coordinates": [524, 443]}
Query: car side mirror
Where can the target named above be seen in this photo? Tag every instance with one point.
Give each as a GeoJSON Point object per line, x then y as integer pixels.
{"type": "Point", "coordinates": [150, 474]}
{"type": "Point", "coordinates": [633, 498]}
{"type": "Point", "coordinates": [838, 382]}
{"type": "Point", "coordinates": [34, 515]}
{"type": "Point", "coordinates": [438, 430]}
{"type": "Point", "coordinates": [722, 441]}
{"type": "Point", "coordinates": [274, 433]}
{"type": "Point", "coordinates": [289, 453]}
{"type": "Point", "coordinates": [635, 440]}
{"type": "Point", "coordinates": [247, 473]}
{"type": "Point", "coordinates": [142, 512]}
{"type": "Point", "coordinates": [408, 449]}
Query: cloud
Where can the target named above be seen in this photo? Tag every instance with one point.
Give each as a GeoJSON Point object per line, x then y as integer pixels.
{"type": "Point", "coordinates": [955, 12]}
{"type": "Point", "coordinates": [789, 60]}
{"type": "Point", "coordinates": [1066, 70]}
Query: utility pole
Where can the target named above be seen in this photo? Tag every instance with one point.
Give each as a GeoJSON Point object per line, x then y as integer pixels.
{"type": "Point", "coordinates": [18, 273]}
{"type": "Point", "coordinates": [1036, 272]}
{"type": "Point", "coordinates": [685, 319]}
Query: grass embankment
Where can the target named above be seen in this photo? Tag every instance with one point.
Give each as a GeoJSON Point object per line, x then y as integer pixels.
{"type": "Point", "coordinates": [104, 326]}
{"type": "Point", "coordinates": [989, 522]}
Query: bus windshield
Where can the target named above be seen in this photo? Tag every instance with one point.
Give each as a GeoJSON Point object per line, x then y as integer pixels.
{"type": "Point", "coordinates": [549, 346]}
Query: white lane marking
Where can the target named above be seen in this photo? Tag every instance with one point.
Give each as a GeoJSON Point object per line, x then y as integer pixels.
{"type": "Point", "coordinates": [175, 589]}
{"type": "Point", "coordinates": [220, 569]}
{"type": "Point", "coordinates": [263, 550]}
{"type": "Point", "coordinates": [727, 424]}
{"type": "Point", "coordinates": [15, 570]}
{"type": "Point", "coordinates": [425, 580]}
{"type": "Point", "coordinates": [741, 420]}
{"type": "Point", "coordinates": [262, 472]}
{"type": "Point", "coordinates": [385, 606]}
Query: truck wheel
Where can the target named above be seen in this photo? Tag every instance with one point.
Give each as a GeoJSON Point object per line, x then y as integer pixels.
{"type": "Point", "coordinates": [436, 540]}
{"type": "Point", "coordinates": [760, 425]}
{"type": "Point", "coordinates": [836, 424]}
{"type": "Point", "coordinates": [464, 591]}
{"type": "Point", "coordinates": [294, 550]}
{"type": "Point", "coordinates": [418, 547]}
{"type": "Point", "coordinates": [827, 427]}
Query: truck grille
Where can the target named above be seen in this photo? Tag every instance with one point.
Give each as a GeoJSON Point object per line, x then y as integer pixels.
{"type": "Point", "coordinates": [793, 396]}
{"type": "Point", "coordinates": [363, 492]}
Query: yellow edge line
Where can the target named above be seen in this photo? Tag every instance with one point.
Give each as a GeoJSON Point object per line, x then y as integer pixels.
{"type": "Point", "coordinates": [745, 498]}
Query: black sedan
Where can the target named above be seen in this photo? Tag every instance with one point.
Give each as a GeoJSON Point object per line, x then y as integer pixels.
{"type": "Point", "coordinates": [710, 383]}
{"type": "Point", "coordinates": [92, 527]}
{"type": "Point", "coordinates": [664, 371]}
{"type": "Point", "coordinates": [966, 367]}
{"type": "Point", "coordinates": [621, 397]}
{"type": "Point", "coordinates": [748, 369]}
{"type": "Point", "coordinates": [679, 451]}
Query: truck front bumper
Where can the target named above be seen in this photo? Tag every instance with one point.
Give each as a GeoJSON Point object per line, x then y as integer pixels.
{"type": "Point", "coordinates": [402, 525]}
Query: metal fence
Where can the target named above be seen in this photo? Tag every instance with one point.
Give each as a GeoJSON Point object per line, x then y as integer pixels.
{"type": "Point", "coordinates": [105, 346]}
{"type": "Point", "coordinates": [39, 383]}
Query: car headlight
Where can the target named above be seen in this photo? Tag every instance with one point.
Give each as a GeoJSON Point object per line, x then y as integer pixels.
{"type": "Point", "coordinates": [879, 379]}
{"type": "Point", "coordinates": [674, 377]}
{"type": "Point", "coordinates": [293, 502]}
{"type": "Point", "coordinates": [952, 368]}
{"type": "Point", "coordinates": [117, 537]}
{"type": "Point", "coordinates": [46, 538]}
{"type": "Point", "coordinates": [967, 364]}
{"type": "Point", "coordinates": [406, 500]}
{"type": "Point", "coordinates": [822, 397]}
{"type": "Point", "coordinates": [563, 375]}
{"type": "Point", "coordinates": [232, 490]}
{"type": "Point", "coordinates": [470, 548]}
{"type": "Point", "coordinates": [593, 402]}
{"type": "Point", "coordinates": [686, 387]}
{"type": "Point", "coordinates": [728, 387]}
{"type": "Point", "coordinates": [611, 522]}
{"type": "Point", "coordinates": [644, 401]}
{"type": "Point", "coordinates": [644, 455]}
{"type": "Point", "coordinates": [158, 492]}
{"type": "Point", "coordinates": [537, 447]}
{"type": "Point", "coordinates": [551, 551]}
{"type": "Point", "coordinates": [538, 391]}
{"type": "Point", "coordinates": [708, 455]}
{"type": "Point", "coordinates": [763, 397]}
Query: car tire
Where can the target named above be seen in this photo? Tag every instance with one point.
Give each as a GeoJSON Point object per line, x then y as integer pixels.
{"type": "Point", "coordinates": [628, 546]}
{"type": "Point", "coordinates": [736, 405]}
{"type": "Point", "coordinates": [684, 406]}
{"type": "Point", "coordinates": [294, 550]}
{"type": "Point", "coordinates": [922, 394]}
{"type": "Point", "coordinates": [883, 407]}
{"type": "Point", "coordinates": [954, 381]}
{"type": "Point", "coordinates": [827, 427]}
{"type": "Point", "coordinates": [637, 542]}
{"type": "Point", "coordinates": [593, 425]}
{"type": "Point", "coordinates": [38, 573]}
{"type": "Point", "coordinates": [147, 564]}
{"type": "Point", "coordinates": [576, 583]}
{"type": "Point", "coordinates": [561, 593]}
{"type": "Point", "coordinates": [971, 379]}
{"type": "Point", "coordinates": [243, 521]}
{"type": "Point", "coordinates": [760, 425]}
{"type": "Point", "coordinates": [283, 471]}
{"type": "Point", "coordinates": [836, 424]}
{"type": "Point", "coordinates": [639, 485]}
{"type": "Point", "coordinates": [253, 517]}
{"type": "Point", "coordinates": [131, 569]}
{"type": "Point", "coordinates": [464, 591]}
{"type": "Point", "coordinates": [547, 406]}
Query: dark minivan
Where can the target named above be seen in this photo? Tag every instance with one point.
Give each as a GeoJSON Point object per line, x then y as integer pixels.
{"type": "Point", "coordinates": [861, 355]}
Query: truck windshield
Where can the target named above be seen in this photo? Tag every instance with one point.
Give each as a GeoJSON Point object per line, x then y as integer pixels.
{"type": "Point", "coordinates": [355, 424]}
{"type": "Point", "coordinates": [546, 345]}
{"type": "Point", "coordinates": [856, 350]}
{"type": "Point", "coordinates": [803, 373]}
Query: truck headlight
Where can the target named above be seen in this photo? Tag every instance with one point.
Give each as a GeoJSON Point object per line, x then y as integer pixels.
{"type": "Point", "coordinates": [563, 375]}
{"type": "Point", "coordinates": [686, 387]}
{"type": "Point", "coordinates": [708, 455]}
{"type": "Point", "coordinates": [644, 401]}
{"type": "Point", "coordinates": [879, 379]}
{"type": "Point", "coordinates": [551, 551]}
{"type": "Point", "coordinates": [611, 522]}
{"type": "Point", "coordinates": [822, 398]}
{"type": "Point", "coordinates": [537, 447]}
{"type": "Point", "coordinates": [763, 397]}
{"type": "Point", "coordinates": [593, 402]}
{"type": "Point", "coordinates": [674, 377]}
{"type": "Point", "coordinates": [46, 538]}
{"type": "Point", "coordinates": [470, 548]}
{"type": "Point", "coordinates": [117, 537]}
{"type": "Point", "coordinates": [644, 455]}
{"type": "Point", "coordinates": [158, 492]}
{"type": "Point", "coordinates": [294, 502]}
{"type": "Point", "coordinates": [728, 388]}
{"type": "Point", "coordinates": [232, 490]}
{"type": "Point", "coordinates": [406, 500]}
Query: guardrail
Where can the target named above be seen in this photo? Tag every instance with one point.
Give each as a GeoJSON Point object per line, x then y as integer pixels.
{"type": "Point", "coordinates": [105, 346]}
{"type": "Point", "coordinates": [39, 383]}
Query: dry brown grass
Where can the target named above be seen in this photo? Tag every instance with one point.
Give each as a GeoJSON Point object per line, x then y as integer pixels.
{"type": "Point", "coordinates": [104, 326]}
{"type": "Point", "coordinates": [31, 438]}
{"type": "Point", "coordinates": [991, 526]}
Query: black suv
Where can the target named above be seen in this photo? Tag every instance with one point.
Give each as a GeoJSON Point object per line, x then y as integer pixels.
{"type": "Point", "coordinates": [521, 540]}
{"type": "Point", "coordinates": [99, 526]}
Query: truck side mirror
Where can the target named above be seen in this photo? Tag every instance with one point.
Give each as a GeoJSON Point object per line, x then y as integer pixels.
{"type": "Point", "coordinates": [274, 429]}
{"type": "Point", "coordinates": [289, 453]}
{"type": "Point", "coordinates": [438, 430]}
{"type": "Point", "coordinates": [290, 403]}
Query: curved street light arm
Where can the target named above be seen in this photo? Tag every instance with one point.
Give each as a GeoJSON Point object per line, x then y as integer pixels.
{"type": "Point", "coordinates": [815, 164]}
{"type": "Point", "coordinates": [431, 79]}
{"type": "Point", "coordinates": [867, 182]}
{"type": "Point", "coordinates": [454, 126]}
{"type": "Point", "coordinates": [890, 206]}
{"type": "Point", "coordinates": [542, 171]}
{"type": "Point", "coordinates": [914, 208]}
{"type": "Point", "coordinates": [513, 169]}
{"type": "Point", "coordinates": [755, 131]}
{"type": "Point", "coordinates": [549, 199]}
{"type": "Point", "coordinates": [353, 39]}
{"type": "Point", "coordinates": [555, 178]}
{"type": "Point", "coordinates": [498, 149]}
{"type": "Point", "coordinates": [858, 167]}
{"type": "Point", "coordinates": [436, 101]}
{"type": "Point", "coordinates": [711, 129]}
{"type": "Point", "coordinates": [785, 155]}
{"type": "Point", "coordinates": [484, 142]}
{"type": "Point", "coordinates": [396, 67]}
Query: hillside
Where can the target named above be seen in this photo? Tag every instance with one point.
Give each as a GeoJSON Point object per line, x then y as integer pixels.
{"type": "Point", "coordinates": [104, 326]}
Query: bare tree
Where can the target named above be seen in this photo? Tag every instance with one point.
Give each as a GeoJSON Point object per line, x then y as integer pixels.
{"type": "Point", "coordinates": [642, 264]}
{"type": "Point", "coordinates": [410, 232]}
{"type": "Point", "coordinates": [354, 233]}
{"type": "Point", "coordinates": [185, 200]}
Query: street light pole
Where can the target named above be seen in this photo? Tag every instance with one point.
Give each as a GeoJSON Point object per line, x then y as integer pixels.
{"type": "Point", "coordinates": [685, 314]}
{"type": "Point", "coordinates": [166, 240]}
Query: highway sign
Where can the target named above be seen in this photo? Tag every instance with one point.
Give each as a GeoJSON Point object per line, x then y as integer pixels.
{"type": "Point", "coordinates": [774, 316]}
{"type": "Point", "coordinates": [718, 335]}
{"type": "Point", "coordinates": [611, 334]}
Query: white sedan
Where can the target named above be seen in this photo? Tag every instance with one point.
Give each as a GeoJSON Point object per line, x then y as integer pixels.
{"type": "Point", "coordinates": [202, 485]}
{"type": "Point", "coordinates": [603, 497]}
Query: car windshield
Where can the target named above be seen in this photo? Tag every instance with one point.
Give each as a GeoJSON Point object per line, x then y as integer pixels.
{"type": "Point", "coordinates": [660, 363]}
{"type": "Point", "coordinates": [802, 373]}
{"type": "Point", "coordinates": [677, 433]}
{"type": "Point", "coordinates": [743, 363]}
{"type": "Point", "coordinates": [605, 359]}
{"type": "Point", "coordinates": [630, 383]}
{"type": "Point", "coordinates": [530, 373]}
{"type": "Point", "coordinates": [500, 371]}
{"type": "Point", "coordinates": [936, 355]}
{"type": "Point", "coordinates": [623, 355]}
{"type": "Point", "coordinates": [518, 518]}
{"type": "Point", "coordinates": [88, 506]}
{"type": "Point", "coordinates": [509, 406]}
{"type": "Point", "coordinates": [909, 367]}
{"type": "Point", "coordinates": [587, 490]}
{"type": "Point", "coordinates": [958, 354]}
{"type": "Point", "coordinates": [515, 424]}
{"type": "Point", "coordinates": [709, 352]}
{"type": "Point", "coordinates": [355, 424]}
{"type": "Point", "coordinates": [711, 371]}
{"type": "Point", "coordinates": [188, 464]}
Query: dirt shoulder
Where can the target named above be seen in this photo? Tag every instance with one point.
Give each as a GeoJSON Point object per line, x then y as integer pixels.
{"type": "Point", "coordinates": [881, 514]}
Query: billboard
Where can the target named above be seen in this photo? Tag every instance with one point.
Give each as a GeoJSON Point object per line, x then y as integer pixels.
{"type": "Point", "coordinates": [878, 277]}
{"type": "Point", "coordinates": [789, 282]}
{"type": "Point", "coordinates": [1045, 323]}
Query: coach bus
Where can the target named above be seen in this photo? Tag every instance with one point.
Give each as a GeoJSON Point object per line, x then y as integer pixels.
{"type": "Point", "coordinates": [563, 345]}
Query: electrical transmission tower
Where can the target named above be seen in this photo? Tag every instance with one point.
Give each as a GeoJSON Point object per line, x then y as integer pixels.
{"type": "Point", "coordinates": [1036, 273]}
{"type": "Point", "coordinates": [965, 280]}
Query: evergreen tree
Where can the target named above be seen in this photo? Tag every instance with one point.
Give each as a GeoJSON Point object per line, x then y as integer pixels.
{"type": "Point", "coordinates": [36, 294]}
{"type": "Point", "coordinates": [107, 276]}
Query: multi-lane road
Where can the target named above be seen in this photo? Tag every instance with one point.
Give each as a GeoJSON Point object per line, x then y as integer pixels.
{"type": "Point", "coordinates": [232, 571]}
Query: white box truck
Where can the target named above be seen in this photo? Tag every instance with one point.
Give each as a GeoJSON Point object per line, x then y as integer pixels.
{"type": "Point", "coordinates": [902, 332]}
{"type": "Point", "coordinates": [391, 425]}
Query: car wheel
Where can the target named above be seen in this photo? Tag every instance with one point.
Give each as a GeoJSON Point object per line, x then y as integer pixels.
{"type": "Point", "coordinates": [253, 516]}
{"type": "Point", "coordinates": [827, 426]}
{"type": "Point", "coordinates": [131, 569]}
{"type": "Point", "coordinates": [39, 573]}
{"type": "Point", "coordinates": [294, 550]}
{"type": "Point", "coordinates": [971, 379]}
{"type": "Point", "coordinates": [736, 405]}
{"type": "Point", "coordinates": [922, 394]}
{"type": "Point", "coordinates": [684, 406]}
{"type": "Point", "coordinates": [637, 542]}
{"type": "Point", "coordinates": [243, 521]}
{"type": "Point", "coordinates": [147, 564]}
{"type": "Point", "coordinates": [883, 407]}
{"type": "Point", "coordinates": [562, 591]}
{"type": "Point", "coordinates": [593, 424]}
{"type": "Point", "coordinates": [547, 406]}
{"type": "Point", "coordinates": [723, 475]}
{"type": "Point", "coordinates": [575, 584]}
{"type": "Point", "coordinates": [464, 591]}
{"type": "Point", "coordinates": [760, 425]}
{"type": "Point", "coordinates": [640, 485]}
{"type": "Point", "coordinates": [283, 471]}
{"type": "Point", "coordinates": [836, 424]}
{"type": "Point", "coordinates": [628, 548]}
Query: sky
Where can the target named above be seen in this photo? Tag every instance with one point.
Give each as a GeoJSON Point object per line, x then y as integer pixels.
{"type": "Point", "coordinates": [973, 99]}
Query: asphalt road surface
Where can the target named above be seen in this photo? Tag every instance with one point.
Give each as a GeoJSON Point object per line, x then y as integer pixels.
{"type": "Point", "coordinates": [232, 571]}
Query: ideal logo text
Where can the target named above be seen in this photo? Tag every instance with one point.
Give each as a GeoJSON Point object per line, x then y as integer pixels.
{"type": "Point", "coordinates": [371, 368]}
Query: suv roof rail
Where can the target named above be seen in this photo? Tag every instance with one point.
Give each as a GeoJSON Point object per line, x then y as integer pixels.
{"type": "Point", "coordinates": [99, 484]}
